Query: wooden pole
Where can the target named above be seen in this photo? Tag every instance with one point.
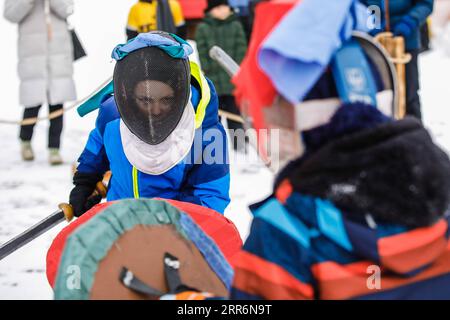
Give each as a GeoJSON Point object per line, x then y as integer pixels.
{"type": "Point", "coordinates": [395, 46]}
{"type": "Point", "coordinates": [399, 52]}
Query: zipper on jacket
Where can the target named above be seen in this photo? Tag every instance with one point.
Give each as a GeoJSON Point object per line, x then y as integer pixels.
{"type": "Point", "coordinates": [135, 173]}
{"type": "Point", "coordinates": [48, 20]}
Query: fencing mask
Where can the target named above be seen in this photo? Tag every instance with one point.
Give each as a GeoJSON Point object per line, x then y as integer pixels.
{"type": "Point", "coordinates": [151, 90]}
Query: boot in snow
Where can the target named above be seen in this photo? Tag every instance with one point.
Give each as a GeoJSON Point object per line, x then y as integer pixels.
{"type": "Point", "coordinates": [27, 151]}
{"type": "Point", "coordinates": [54, 157]}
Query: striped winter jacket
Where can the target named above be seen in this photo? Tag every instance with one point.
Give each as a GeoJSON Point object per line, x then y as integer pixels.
{"type": "Point", "coordinates": [360, 216]}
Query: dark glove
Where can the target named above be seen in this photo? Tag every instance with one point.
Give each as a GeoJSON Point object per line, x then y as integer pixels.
{"type": "Point", "coordinates": [405, 27]}
{"type": "Point", "coordinates": [81, 197]}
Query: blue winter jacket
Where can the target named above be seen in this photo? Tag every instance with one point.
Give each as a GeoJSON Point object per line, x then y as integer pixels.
{"type": "Point", "coordinates": [418, 10]}
{"type": "Point", "coordinates": [195, 179]}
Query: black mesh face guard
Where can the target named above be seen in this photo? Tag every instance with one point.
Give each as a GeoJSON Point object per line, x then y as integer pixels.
{"type": "Point", "coordinates": [151, 90]}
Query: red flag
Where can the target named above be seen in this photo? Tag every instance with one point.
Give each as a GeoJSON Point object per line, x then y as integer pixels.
{"type": "Point", "coordinates": [254, 90]}
{"type": "Point", "coordinates": [193, 9]}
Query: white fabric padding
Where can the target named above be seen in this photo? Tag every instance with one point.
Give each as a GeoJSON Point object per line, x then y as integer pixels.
{"type": "Point", "coordinates": [158, 159]}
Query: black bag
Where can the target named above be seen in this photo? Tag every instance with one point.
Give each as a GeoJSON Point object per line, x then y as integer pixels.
{"type": "Point", "coordinates": [164, 17]}
{"type": "Point", "coordinates": [78, 50]}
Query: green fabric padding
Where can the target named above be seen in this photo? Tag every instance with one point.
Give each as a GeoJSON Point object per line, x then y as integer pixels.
{"type": "Point", "coordinates": [92, 241]}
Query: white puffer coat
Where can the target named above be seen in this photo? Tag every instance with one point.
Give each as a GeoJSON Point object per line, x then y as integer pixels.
{"type": "Point", "coordinates": [45, 50]}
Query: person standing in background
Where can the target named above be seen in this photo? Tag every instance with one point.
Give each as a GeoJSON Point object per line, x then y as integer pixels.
{"type": "Point", "coordinates": [221, 27]}
{"type": "Point", "coordinates": [152, 15]}
{"type": "Point", "coordinates": [45, 65]}
{"type": "Point", "coordinates": [406, 19]}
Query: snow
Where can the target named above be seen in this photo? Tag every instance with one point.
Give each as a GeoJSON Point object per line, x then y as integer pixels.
{"type": "Point", "coordinates": [435, 94]}
{"type": "Point", "coordinates": [31, 191]}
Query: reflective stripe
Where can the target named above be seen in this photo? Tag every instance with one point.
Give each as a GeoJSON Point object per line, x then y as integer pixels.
{"type": "Point", "coordinates": [196, 72]}
{"type": "Point", "coordinates": [135, 183]}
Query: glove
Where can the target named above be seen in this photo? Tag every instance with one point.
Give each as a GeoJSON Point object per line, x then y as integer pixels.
{"type": "Point", "coordinates": [80, 197]}
{"type": "Point", "coordinates": [405, 27]}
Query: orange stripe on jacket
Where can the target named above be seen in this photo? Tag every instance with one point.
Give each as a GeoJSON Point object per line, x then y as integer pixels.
{"type": "Point", "coordinates": [328, 271]}
{"type": "Point", "coordinates": [334, 288]}
{"type": "Point", "coordinates": [284, 191]}
{"type": "Point", "coordinates": [271, 272]}
{"type": "Point", "coordinates": [252, 283]}
{"type": "Point", "coordinates": [411, 240]}
{"type": "Point", "coordinates": [414, 259]}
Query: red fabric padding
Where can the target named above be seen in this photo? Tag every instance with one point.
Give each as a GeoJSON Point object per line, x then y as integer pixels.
{"type": "Point", "coordinates": [253, 87]}
{"type": "Point", "coordinates": [55, 251]}
{"type": "Point", "coordinates": [219, 228]}
{"type": "Point", "coordinates": [193, 9]}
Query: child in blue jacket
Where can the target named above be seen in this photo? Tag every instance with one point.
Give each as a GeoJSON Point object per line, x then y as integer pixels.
{"type": "Point", "coordinates": [159, 133]}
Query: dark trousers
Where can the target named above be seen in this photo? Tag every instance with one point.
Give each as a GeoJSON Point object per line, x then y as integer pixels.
{"type": "Point", "coordinates": [413, 86]}
{"type": "Point", "coordinates": [54, 132]}
{"type": "Point", "coordinates": [228, 103]}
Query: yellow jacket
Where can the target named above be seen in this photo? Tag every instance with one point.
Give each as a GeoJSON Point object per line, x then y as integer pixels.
{"type": "Point", "coordinates": [142, 16]}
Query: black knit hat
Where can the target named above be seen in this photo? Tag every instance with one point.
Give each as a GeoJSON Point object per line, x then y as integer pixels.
{"type": "Point", "coordinates": [215, 3]}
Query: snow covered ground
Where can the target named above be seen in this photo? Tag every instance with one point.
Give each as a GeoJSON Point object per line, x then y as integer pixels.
{"type": "Point", "coordinates": [31, 191]}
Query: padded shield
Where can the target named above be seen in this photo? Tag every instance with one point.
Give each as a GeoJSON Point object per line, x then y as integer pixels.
{"type": "Point", "coordinates": [215, 225]}
{"type": "Point", "coordinates": [151, 90]}
{"type": "Point", "coordinates": [136, 235]}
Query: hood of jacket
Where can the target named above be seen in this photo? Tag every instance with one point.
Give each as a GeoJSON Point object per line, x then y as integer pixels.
{"type": "Point", "coordinates": [209, 19]}
{"type": "Point", "coordinates": [364, 162]}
